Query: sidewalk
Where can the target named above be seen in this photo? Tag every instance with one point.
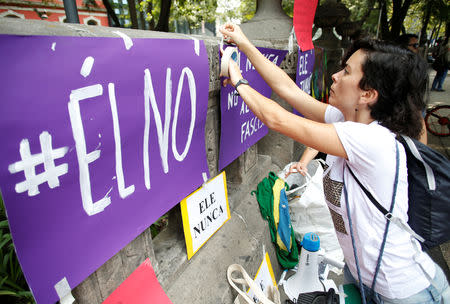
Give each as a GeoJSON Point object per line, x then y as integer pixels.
{"type": "Point", "coordinates": [442, 144]}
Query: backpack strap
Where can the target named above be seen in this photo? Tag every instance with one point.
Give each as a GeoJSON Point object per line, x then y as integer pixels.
{"type": "Point", "coordinates": [428, 171]}
{"type": "Point", "coordinates": [358, 269]}
{"type": "Point", "coordinates": [388, 215]}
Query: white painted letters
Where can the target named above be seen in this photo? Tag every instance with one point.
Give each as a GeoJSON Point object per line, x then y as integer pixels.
{"type": "Point", "coordinates": [85, 158]}
{"type": "Point", "coordinates": [303, 61]}
{"type": "Point", "coordinates": [193, 96]}
{"type": "Point", "coordinates": [124, 192]}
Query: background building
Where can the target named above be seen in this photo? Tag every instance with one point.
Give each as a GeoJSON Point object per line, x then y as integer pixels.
{"type": "Point", "coordinates": [90, 12]}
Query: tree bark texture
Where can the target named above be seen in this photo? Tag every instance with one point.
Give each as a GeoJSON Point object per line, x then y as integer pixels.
{"type": "Point", "coordinates": [111, 13]}
{"type": "Point", "coordinates": [133, 14]}
{"type": "Point", "coordinates": [163, 21]}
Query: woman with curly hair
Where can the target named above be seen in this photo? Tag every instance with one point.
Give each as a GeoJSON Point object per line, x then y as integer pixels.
{"type": "Point", "coordinates": [379, 94]}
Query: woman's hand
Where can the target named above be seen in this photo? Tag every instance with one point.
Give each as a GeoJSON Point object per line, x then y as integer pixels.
{"type": "Point", "coordinates": [234, 73]}
{"type": "Point", "coordinates": [232, 33]}
{"type": "Point", "coordinates": [299, 167]}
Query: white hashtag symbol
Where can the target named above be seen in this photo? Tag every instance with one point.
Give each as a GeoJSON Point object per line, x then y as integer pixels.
{"type": "Point", "coordinates": [29, 163]}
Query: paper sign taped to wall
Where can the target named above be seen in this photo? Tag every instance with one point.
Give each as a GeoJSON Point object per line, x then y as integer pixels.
{"type": "Point", "coordinates": [264, 277]}
{"type": "Point", "coordinates": [204, 212]}
{"type": "Point", "coordinates": [304, 11]}
{"type": "Point", "coordinates": [141, 287]}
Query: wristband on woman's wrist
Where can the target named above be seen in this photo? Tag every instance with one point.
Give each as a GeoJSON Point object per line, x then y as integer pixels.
{"type": "Point", "coordinates": [241, 81]}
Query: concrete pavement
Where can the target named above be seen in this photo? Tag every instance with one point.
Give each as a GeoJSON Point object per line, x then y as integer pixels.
{"type": "Point", "coordinates": [441, 254]}
{"type": "Point", "coordinates": [441, 144]}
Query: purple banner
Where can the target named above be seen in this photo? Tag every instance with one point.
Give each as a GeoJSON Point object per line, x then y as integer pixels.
{"type": "Point", "coordinates": [101, 136]}
{"type": "Point", "coordinates": [305, 67]}
{"type": "Point", "coordinates": [240, 128]}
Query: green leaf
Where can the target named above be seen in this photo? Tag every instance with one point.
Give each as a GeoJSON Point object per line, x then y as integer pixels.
{"type": "Point", "coordinates": [7, 293]}
{"type": "Point", "coordinates": [5, 260]}
{"type": "Point", "coordinates": [3, 281]}
{"type": "Point", "coordinates": [4, 224]}
{"type": "Point", "coordinates": [14, 285]}
{"type": "Point", "coordinates": [5, 239]}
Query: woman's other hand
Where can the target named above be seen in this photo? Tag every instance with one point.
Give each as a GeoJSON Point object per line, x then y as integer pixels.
{"type": "Point", "coordinates": [234, 73]}
{"type": "Point", "coordinates": [232, 33]}
{"type": "Point", "coordinates": [299, 167]}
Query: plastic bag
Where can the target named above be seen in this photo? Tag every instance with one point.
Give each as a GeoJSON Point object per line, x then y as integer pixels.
{"type": "Point", "coordinates": [308, 209]}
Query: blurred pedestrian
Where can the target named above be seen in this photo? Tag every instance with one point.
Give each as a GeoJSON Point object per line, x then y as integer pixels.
{"type": "Point", "coordinates": [410, 42]}
{"type": "Point", "coordinates": [441, 65]}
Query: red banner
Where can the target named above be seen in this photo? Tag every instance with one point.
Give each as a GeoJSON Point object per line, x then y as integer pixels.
{"type": "Point", "coordinates": [304, 11]}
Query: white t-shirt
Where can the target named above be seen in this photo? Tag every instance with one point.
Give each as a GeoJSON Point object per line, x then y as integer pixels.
{"type": "Point", "coordinates": [371, 156]}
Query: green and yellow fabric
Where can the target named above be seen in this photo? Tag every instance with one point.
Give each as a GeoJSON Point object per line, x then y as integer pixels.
{"type": "Point", "coordinates": [268, 194]}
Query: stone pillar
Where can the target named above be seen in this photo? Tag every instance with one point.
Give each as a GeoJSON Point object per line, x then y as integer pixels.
{"type": "Point", "coordinates": [269, 22]}
{"type": "Point", "coordinates": [349, 31]}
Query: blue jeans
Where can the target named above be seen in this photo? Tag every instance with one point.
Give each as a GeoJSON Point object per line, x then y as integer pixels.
{"type": "Point", "coordinates": [438, 81]}
{"type": "Point", "coordinates": [436, 293]}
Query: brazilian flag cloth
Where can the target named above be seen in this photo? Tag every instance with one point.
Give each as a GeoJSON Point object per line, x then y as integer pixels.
{"type": "Point", "coordinates": [273, 204]}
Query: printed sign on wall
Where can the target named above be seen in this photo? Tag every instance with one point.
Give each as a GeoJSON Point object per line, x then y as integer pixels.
{"type": "Point", "coordinates": [240, 128]}
{"type": "Point", "coordinates": [101, 136]}
{"type": "Point", "coordinates": [204, 212]}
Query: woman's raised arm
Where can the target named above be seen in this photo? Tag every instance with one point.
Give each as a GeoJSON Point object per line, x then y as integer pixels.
{"type": "Point", "coordinates": [275, 77]}
{"type": "Point", "coordinates": [320, 136]}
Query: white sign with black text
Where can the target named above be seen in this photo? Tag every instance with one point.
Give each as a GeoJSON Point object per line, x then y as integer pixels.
{"type": "Point", "coordinates": [204, 212]}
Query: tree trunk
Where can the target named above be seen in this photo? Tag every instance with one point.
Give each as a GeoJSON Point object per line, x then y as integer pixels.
{"type": "Point", "coordinates": [151, 23]}
{"type": "Point", "coordinates": [163, 21]}
{"type": "Point", "coordinates": [142, 20]}
{"type": "Point", "coordinates": [111, 13]}
{"type": "Point", "coordinates": [425, 21]}
{"type": "Point", "coordinates": [370, 8]}
{"type": "Point", "coordinates": [398, 16]}
{"type": "Point", "coordinates": [384, 26]}
{"type": "Point", "coordinates": [133, 15]}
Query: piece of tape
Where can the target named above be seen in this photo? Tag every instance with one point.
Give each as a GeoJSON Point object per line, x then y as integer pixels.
{"type": "Point", "coordinates": [196, 46]}
{"type": "Point", "coordinates": [64, 292]}
{"type": "Point", "coordinates": [228, 53]}
{"type": "Point", "coordinates": [205, 181]}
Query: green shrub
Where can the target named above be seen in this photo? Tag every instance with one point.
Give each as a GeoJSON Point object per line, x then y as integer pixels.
{"type": "Point", "coordinates": [13, 286]}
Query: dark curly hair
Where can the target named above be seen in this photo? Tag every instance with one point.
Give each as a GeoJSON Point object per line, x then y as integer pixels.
{"type": "Point", "coordinates": [401, 79]}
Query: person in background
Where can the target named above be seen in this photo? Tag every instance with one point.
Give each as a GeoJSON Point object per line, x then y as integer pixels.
{"type": "Point", "coordinates": [441, 65]}
{"type": "Point", "coordinates": [410, 42]}
{"type": "Point", "coordinates": [377, 95]}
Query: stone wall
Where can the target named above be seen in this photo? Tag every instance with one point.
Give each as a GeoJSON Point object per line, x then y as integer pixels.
{"type": "Point", "coordinates": [243, 239]}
